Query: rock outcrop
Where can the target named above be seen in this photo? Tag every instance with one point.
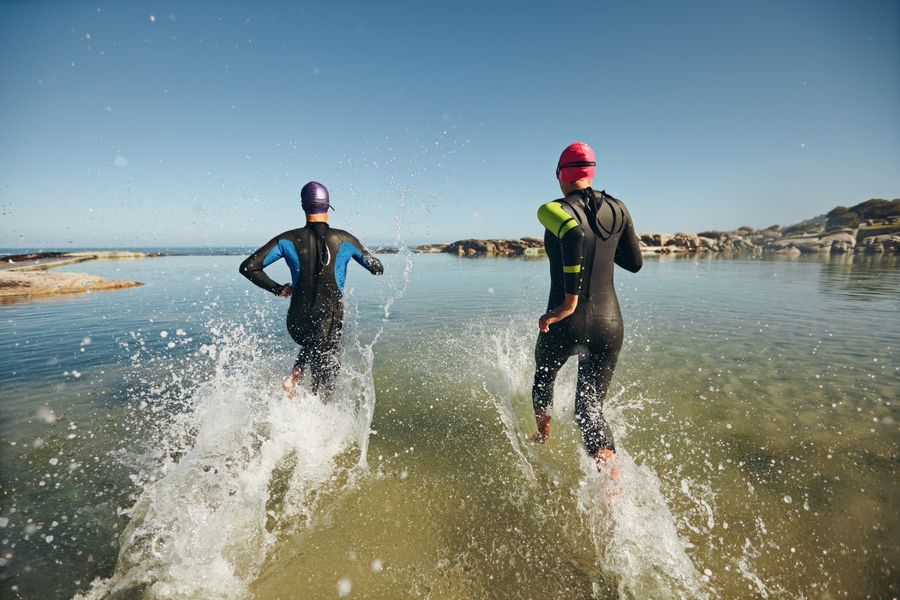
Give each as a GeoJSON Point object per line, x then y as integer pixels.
{"type": "Point", "coordinates": [496, 247]}
{"type": "Point", "coordinates": [871, 227]}
{"type": "Point", "coordinates": [26, 276]}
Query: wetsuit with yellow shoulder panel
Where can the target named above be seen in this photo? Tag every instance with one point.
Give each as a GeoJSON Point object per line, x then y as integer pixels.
{"type": "Point", "coordinates": [586, 234]}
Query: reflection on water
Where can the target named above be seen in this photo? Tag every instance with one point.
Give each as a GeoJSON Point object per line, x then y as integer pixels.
{"type": "Point", "coordinates": [862, 277]}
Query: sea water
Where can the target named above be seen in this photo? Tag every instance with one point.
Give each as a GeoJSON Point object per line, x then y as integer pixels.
{"type": "Point", "coordinates": [148, 451]}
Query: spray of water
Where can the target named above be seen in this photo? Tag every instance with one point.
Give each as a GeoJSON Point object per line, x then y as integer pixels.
{"type": "Point", "coordinates": [407, 256]}
{"type": "Point", "coordinates": [235, 464]}
{"type": "Point", "coordinates": [634, 533]}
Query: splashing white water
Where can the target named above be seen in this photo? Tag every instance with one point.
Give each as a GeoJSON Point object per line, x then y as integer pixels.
{"type": "Point", "coordinates": [510, 382]}
{"type": "Point", "coordinates": [406, 254]}
{"type": "Point", "coordinates": [240, 463]}
{"type": "Point", "coordinates": [634, 533]}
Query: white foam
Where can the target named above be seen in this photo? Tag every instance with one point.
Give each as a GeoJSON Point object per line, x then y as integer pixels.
{"type": "Point", "coordinates": [239, 464]}
{"type": "Point", "coordinates": [635, 535]}
{"type": "Point", "coordinates": [634, 532]}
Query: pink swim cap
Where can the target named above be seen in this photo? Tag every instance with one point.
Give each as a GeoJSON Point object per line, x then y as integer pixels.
{"type": "Point", "coordinates": [576, 162]}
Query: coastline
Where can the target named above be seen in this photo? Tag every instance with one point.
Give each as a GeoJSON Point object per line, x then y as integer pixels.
{"type": "Point", "coordinates": [25, 277]}
{"type": "Point", "coordinates": [875, 239]}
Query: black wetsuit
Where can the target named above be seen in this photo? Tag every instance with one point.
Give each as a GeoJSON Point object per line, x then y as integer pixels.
{"type": "Point", "coordinates": [317, 257]}
{"type": "Point", "coordinates": [587, 232]}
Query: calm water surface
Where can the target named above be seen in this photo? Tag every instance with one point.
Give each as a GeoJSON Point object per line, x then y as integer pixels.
{"type": "Point", "coordinates": [148, 452]}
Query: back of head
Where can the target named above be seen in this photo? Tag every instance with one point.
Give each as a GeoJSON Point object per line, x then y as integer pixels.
{"type": "Point", "coordinates": [576, 162]}
{"type": "Point", "coordinates": [314, 198]}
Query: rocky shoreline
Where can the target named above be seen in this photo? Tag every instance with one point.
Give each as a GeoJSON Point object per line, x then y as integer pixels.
{"type": "Point", "coordinates": [841, 231]}
{"type": "Point", "coordinates": [24, 277]}
{"type": "Point", "coordinates": [741, 241]}
{"type": "Point", "coordinates": [773, 241]}
{"type": "Point", "coordinates": [526, 246]}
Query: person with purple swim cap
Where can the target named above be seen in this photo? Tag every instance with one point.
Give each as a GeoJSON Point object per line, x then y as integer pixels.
{"type": "Point", "coordinates": [317, 257]}
{"type": "Point", "coordinates": [586, 233]}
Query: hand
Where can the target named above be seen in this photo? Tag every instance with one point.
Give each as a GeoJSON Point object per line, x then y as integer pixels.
{"type": "Point", "coordinates": [559, 313]}
{"type": "Point", "coordinates": [286, 291]}
{"type": "Point", "coordinates": [548, 319]}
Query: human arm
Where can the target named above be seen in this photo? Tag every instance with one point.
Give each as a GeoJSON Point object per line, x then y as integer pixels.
{"type": "Point", "coordinates": [565, 229]}
{"type": "Point", "coordinates": [558, 313]}
{"type": "Point", "coordinates": [628, 250]}
{"type": "Point", "coordinates": [366, 259]}
{"type": "Point", "coordinates": [253, 265]}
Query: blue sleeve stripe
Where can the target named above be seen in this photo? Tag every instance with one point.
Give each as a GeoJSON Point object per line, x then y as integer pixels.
{"type": "Point", "coordinates": [273, 255]}
{"type": "Point", "coordinates": [289, 251]}
{"type": "Point", "coordinates": [344, 254]}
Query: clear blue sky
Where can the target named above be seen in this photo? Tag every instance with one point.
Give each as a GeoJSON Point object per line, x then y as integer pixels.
{"type": "Point", "coordinates": [172, 123]}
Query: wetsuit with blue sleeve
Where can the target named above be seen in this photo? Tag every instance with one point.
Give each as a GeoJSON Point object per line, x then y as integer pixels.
{"type": "Point", "coordinates": [317, 257]}
{"type": "Point", "coordinates": [586, 234]}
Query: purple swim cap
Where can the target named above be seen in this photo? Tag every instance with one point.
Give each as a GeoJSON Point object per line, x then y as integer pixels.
{"type": "Point", "coordinates": [314, 198]}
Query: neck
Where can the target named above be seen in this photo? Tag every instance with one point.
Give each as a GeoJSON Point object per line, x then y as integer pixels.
{"type": "Point", "coordinates": [319, 218]}
{"type": "Point", "coordinates": [568, 187]}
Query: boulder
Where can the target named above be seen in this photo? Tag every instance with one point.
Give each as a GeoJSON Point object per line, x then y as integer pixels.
{"type": "Point", "coordinates": [431, 248]}
{"type": "Point", "coordinates": [655, 239]}
{"type": "Point", "coordinates": [841, 237]}
{"type": "Point", "coordinates": [787, 251]}
{"type": "Point", "coordinates": [841, 248]}
{"type": "Point", "coordinates": [689, 241]}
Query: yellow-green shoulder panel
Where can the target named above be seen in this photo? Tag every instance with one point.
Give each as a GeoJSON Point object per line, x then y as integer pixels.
{"type": "Point", "coordinates": [555, 218]}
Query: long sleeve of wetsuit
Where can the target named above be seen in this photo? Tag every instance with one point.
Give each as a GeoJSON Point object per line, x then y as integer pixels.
{"type": "Point", "coordinates": [564, 227]}
{"type": "Point", "coordinates": [252, 267]}
{"type": "Point", "coordinates": [367, 259]}
{"type": "Point", "coordinates": [628, 250]}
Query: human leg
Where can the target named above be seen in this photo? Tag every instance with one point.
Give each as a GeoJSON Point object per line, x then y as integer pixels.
{"type": "Point", "coordinates": [292, 381]}
{"type": "Point", "coordinates": [550, 355]}
{"type": "Point", "coordinates": [324, 369]}
{"type": "Point", "coordinates": [595, 371]}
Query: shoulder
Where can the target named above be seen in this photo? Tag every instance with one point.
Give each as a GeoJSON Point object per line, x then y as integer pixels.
{"type": "Point", "coordinates": [557, 217]}
{"type": "Point", "coordinates": [291, 234]}
{"type": "Point", "coordinates": [556, 207]}
{"type": "Point", "coordinates": [339, 235]}
{"type": "Point", "coordinates": [614, 200]}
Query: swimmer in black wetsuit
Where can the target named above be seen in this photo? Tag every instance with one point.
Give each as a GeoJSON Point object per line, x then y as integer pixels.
{"type": "Point", "coordinates": [587, 232]}
{"type": "Point", "coordinates": [317, 257]}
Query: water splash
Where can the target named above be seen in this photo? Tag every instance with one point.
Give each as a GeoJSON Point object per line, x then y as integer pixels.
{"type": "Point", "coordinates": [507, 349]}
{"type": "Point", "coordinates": [634, 533]}
{"type": "Point", "coordinates": [236, 463]}
{"type": "Point", "coordinates": [407, 255]}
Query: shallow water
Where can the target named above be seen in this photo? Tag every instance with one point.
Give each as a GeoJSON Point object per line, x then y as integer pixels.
{"type": "Point", "coordinates": [148, 451]}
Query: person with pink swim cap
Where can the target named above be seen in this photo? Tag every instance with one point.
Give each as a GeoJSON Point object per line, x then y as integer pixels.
{"type": "Point", "coordinates": [586, 233]}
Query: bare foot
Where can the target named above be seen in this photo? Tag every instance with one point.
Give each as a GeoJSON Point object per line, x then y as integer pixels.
{"type": "Point", "coordinates": [290, 384]}
{"type": "Point", "coordinates": [605, 464]}
{"type": "Point", "coordinates": [542, 420]}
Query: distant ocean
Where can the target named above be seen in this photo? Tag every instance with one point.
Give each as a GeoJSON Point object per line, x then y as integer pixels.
{"type": "Point", "coordinates": [174, 250]}
{"type": "Point", "coordinates": [148, 451]}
